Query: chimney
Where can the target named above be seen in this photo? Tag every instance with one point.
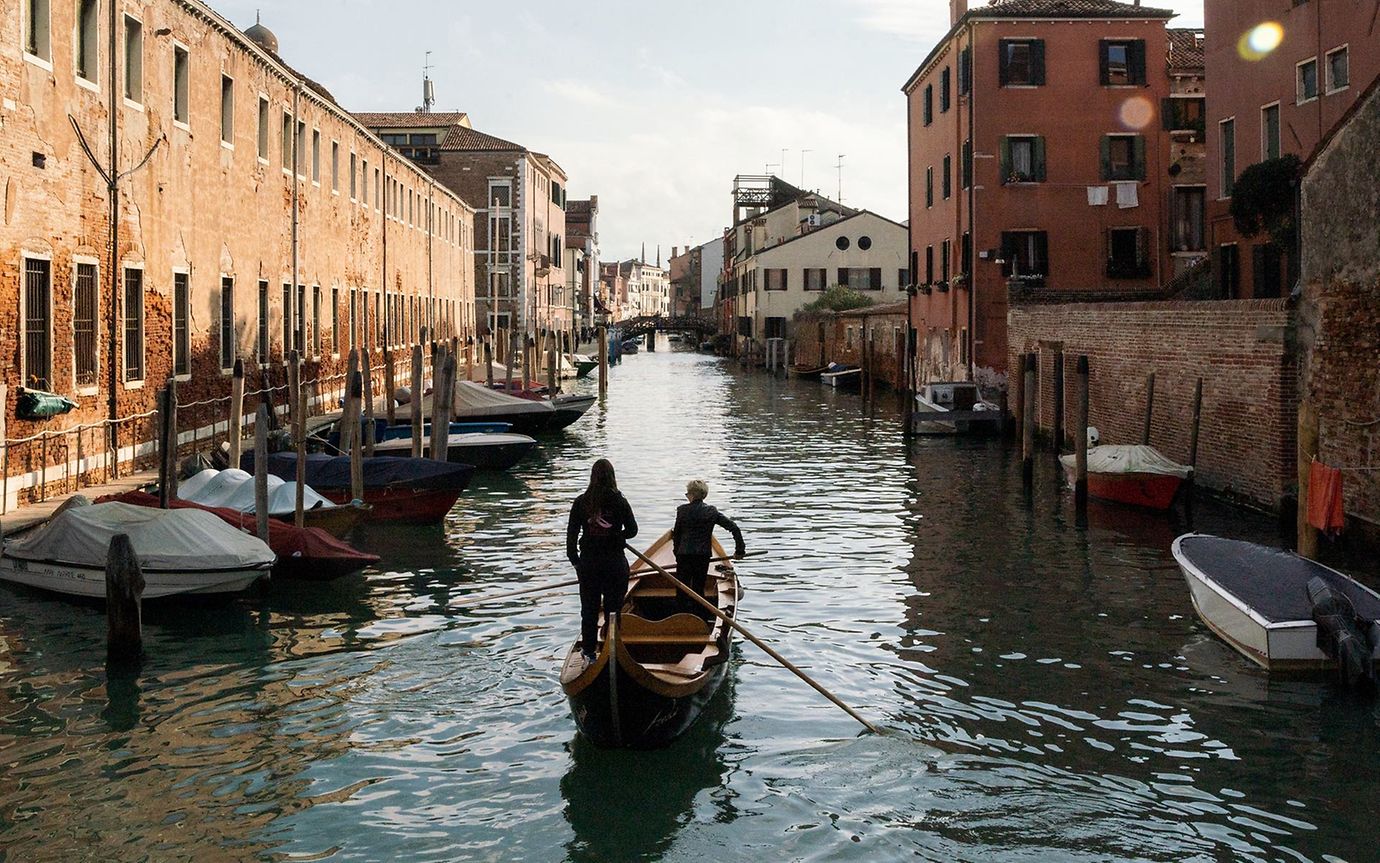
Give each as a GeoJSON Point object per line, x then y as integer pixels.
{"type": "Point", "coordinates": [959, 8]}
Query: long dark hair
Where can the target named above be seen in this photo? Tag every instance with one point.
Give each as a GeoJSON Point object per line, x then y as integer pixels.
{"type": "Point", "coordinates": [602, 487]}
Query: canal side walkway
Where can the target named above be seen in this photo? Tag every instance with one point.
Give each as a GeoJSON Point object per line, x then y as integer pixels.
{"type": "Point", "coordinates": [30, 514]}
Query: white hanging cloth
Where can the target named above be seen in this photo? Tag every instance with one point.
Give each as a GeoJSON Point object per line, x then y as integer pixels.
{"type": "Point", "coordinates": [1097, 196]}
{"type": "Point", "coordinates": [1127, 195]}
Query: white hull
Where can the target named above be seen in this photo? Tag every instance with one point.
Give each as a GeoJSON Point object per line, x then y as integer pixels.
{"type": "Point", "coordinates": [840, 379]}
{"type": "Point", "coordinates": [1290, 645]}
{"type": "Point", "coordinates": [90, 582]}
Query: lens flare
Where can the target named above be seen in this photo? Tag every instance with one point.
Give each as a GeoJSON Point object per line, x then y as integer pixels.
{"type": "Point", "coordinates": [1258, 42]}
{"type": "Point", "coordinates": [1137, 113]}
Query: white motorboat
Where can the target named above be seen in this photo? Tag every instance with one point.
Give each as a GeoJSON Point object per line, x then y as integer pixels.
{"type": "Point", "coordinates": [233, 488]}
{"type": "Point", "coordinates": [944, 397]}
{"type": "Point", "coordinates": [483, 450]}
{"type": "Point", "coordinates": [841, 376]}
{"type": "Point", "coordinates": [1269, 604]}
{"type": "Point", "coordinates": [180, 551]}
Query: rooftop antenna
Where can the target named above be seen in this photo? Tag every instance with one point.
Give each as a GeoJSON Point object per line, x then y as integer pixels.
{"type": "Point", "coordinates": [802, 167]}
{"type": "Point", "coordinates": [766, 169]}
{"type": "Point", "coordinates": [839, 166]}
{"type": "Point", "coordinates": [428, 90]}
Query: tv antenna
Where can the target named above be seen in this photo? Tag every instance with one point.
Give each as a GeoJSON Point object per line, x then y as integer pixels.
{"type": "Point", "coordinates": [839, 166]}
{"type": "Point", "coordinates": [428, 90]}
{"type": "Point", "coordinates": [802, 167]}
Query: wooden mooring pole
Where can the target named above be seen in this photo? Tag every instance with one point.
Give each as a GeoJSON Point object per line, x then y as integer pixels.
{"type": "Point", "coordinates": [389, 386]}
{"type": "Point", "coordinates": [261, 471]}
{"type": "Point", "coordinates": [1149, 407]}
{"type": "Point", "coordinates": [1028, 424]}
{"type": "Point", "coordinates": [1058, 402]}
{"type": "Point", "coordinates": [488, 364]}
{"type": "Point", "coordinates": [1017, 383]}
{"type": "Point", "coordinates": [299, 496]}
{"type": "Point", "coordinates": [124, 591]}
{"type": "Point", "coordinates": [367, 403]}
{"type": "Point", "coordinates": [167, 445]}
{"type": "Point", "coordinates": [603, 362]}
{"type": "Point", "coordinates": [1080, 443]}
{"type": "Point", "coordinates": [1308, 450]}
{"type": "Point", "coordinates": [235, 428]}
{"type": "Point", "coordinates": [415, 402]}
{"type": "Point", "coordinates": [353, 396]}
{"type": "Point", "coordinates": [440, 414]}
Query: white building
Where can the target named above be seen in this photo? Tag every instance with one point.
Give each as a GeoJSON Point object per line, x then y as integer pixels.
{"type": "Point", "coordinates": [649, 288]}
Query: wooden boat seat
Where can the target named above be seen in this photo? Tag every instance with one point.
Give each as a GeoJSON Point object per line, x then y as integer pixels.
{"type": "Point", "coordinates": [686, 629]}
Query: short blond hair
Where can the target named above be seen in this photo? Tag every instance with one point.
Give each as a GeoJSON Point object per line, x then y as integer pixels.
{"type": "Point", "coordinates": [698, 489]}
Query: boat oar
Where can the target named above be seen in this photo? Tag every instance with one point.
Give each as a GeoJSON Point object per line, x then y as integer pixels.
{"type": "Point", "coordinates": [685, 589]}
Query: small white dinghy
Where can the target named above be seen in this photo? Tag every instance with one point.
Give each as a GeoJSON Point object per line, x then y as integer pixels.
{"type": "Point", "coordinates": [1278, 609]}
{"type": "Point", "coordinates": [180, 551]}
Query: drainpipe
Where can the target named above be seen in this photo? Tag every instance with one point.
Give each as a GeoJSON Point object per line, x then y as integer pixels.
{"type": "Point", "coordinates": [972, 207]}
{"type": "Point", "coordinates": [112, 189]}
{"type": "Point", "coordinates": [389, 200]}
{"type": "Point", "coordinates": [300, 329]}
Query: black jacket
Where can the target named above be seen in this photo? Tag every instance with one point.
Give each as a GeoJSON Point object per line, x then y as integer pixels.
{"type": "Point", "coordinates": [602, 534]}
{"type": "Point", "coordinates": [695, 525]}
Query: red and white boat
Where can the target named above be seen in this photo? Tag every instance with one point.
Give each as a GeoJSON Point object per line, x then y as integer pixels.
{"type": "Point", "coordinates": [1134, 474]}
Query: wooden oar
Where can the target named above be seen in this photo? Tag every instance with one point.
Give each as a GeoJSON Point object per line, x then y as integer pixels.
{"type": "Point", "coordinates": [684, 588]}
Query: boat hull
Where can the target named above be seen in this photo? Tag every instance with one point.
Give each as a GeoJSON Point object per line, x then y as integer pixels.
{"type": "Point", "coordinates": [405, 505]}
{"type": "Point", "coordinates": [90, 581]}
{"type": "Point", "coordinates": [849, 380]}
{"type": "Point", "coordinates": [479, 454]}
{"type": "Point", "coordinates": [646, 719]}
{"type": "Point", "coordinates": [522, 422]}
{"type": "Point", "coordinates": [1148, 490]}
{"type": "Point", "coordinates": [335, 520]}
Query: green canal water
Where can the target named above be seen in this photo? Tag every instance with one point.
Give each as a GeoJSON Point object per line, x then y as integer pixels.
{"type": "Point", "coordinates": [1048, 693]}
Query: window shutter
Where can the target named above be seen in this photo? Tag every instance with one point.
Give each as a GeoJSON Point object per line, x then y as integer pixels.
{"type": "Point", "coordinates": [1037, 62]}
{"type": "Point", "coordinates": [1040, 159]}
{"type": "Point", "coordinates": [875, 277]}
{"type": "Point", "coordinates": [1137, 58]}
{"type": "Point", "coordinates": [1005, 159]}
{"type": "Point", "coordinates": [1102, 64]}
{"type": "Point", "coordinates": [785, 278]}
{"type": "Point", "coordinates": [1042, 254]}
{"type": "Point", "coordinates": [1008, 253]}
{"type": "Point", "coordinates": [1138, 157]}
{"type": "Point", "coordinates": [1143, 250]}
{"type": "Point", "coordinates": [1106, 157]}
{"type": "Point", "coordinates": [1258, 262]}
{"type": "Point", "coordinates": [965, 70]}
{"type": "Point", "coordinates": [1003, 77]}
{"type": "Point", "coordinates": [843, 276]}
{"type": "Point", "coordinates": [1167, 117]}
{"type": "Point", "coordinates": [914, 266]}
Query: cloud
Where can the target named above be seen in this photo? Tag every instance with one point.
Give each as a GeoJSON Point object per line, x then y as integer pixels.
{"type": "Point", "coordinates": [923, 21]}
{"type": "Point", "coordinates": [580, 93]}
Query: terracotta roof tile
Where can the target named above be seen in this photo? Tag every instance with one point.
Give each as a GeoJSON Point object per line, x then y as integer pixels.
{"type": "Point", "coordinates": [1185, 47]}
{"type": "Point", "coordinates": [412, 119]}
{"type": "Point", "coordinates": [462, 138]}
{"type": "Point", "coordinates": [1067, 9]}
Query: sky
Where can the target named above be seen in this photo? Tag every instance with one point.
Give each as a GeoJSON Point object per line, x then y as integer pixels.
{"type": "Point", "coordinates": [653, 107]}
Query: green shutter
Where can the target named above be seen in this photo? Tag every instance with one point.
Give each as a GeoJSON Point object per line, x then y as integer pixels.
{"type": "Point", "coordinates": [1039, 165]}
{"type": "Point", "coordinates": [1037, 62]}
{"type": "Point", "coordinates": [1002, 74]}
{"type": "Point", "coordinates": [1168, 119]}
{"type": "Point", "coordinates": [1138, 157]}
{"type": "Point", "coordinates": [1106, 157]}
{"type": "Point", "coordinates": [1102, 64]}
{"type": "Point", "coordinates": [1005, 159]}
{"type": "Point", "coordinates": [1137, 61]}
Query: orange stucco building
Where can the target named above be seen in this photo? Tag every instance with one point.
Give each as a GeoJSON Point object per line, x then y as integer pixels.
{"type": "Point", "coordinates": [1038, 165]}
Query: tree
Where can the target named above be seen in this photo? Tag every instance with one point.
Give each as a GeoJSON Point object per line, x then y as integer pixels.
{"type": "Point", "coordinates": [1263, 200]}
{"type": "Point", "coordinates": [839, 298]}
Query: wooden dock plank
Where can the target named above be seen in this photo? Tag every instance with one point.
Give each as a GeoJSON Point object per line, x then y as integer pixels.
{"type": "Point", "coordinates": [30, 514]}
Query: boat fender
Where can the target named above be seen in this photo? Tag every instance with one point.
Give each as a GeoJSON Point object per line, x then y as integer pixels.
{"type": "Point", "coordinates": [1341, 634]}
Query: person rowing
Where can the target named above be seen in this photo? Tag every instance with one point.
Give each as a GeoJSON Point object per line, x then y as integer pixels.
{"type": "Point", "coordinates": [691, 539]}
{"type": "Point", "coordinates": [601, 522]}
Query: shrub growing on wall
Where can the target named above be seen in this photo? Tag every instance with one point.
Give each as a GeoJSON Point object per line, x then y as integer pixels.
{"type": "Point", "coordinates": [1263, 200]}
{"type": "Point", "coordinates": [839, 298]}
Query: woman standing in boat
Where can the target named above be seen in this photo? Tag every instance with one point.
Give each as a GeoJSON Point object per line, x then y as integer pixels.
{"type": "Point", "coordinates": [601, 522]}
{"type": "Point", "coordinates": [691, 539]}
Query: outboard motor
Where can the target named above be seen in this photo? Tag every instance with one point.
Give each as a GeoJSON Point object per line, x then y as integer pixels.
{"type": "Point", "coordinates": [1341, 634]}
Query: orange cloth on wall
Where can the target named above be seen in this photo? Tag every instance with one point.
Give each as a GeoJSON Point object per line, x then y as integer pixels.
{"type": "Point", "coordinates": [1325, 498]}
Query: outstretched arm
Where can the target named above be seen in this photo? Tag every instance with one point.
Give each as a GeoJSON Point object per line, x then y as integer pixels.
{"type": "Point", "coordinates": [572, 535]}
{"type": "Point", "coordinates": [629, 522]}
{"type": "Point", "coordinates": [727, 523]}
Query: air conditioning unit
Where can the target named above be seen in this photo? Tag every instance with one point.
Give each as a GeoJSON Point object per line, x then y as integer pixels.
{"type": "Point", "coordinates": [814, 220]}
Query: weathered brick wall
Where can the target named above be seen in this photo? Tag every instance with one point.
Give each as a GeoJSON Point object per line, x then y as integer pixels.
{"type": "Point", "coordinates": [843, 341]}
{"type": "Point", "coordinates": [1339, 317]}
{"type": "Point", "coordinates": [1240, 349]}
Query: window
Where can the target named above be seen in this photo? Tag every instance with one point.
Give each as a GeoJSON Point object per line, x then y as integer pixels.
{"type": "Point", "coordinates": [364, 182]}
{"type": "Point", "coordinates": [1338, 70]}
{"type": "Point", "coordinates": [1228, 135]}
{"type": "Point", "coordinates": [775, 328]}
{"type": "Point", "coordinates": [1128, 253]}
{"type": "Point", "coordinates": [37, 30]}
{"type": "Point", "coordinates": [335, 321]}
{"type": "Point", "coordinates": [227, 322]}
{"type": "Point", "coordinates": [263, 129]}
{"type": "Point", "coordinates": [316, 155]}
{"type": "Point", "coordinates": [88, 34]}
{"type": "Point", "coordinates": [842, 244]}
{"type": "Point", "coordinates": [316, 320]}
{"type": "Point", "coordinates": [285, 145]}
{"type": "Point", "coordinates": [1123, 157]}
{"type": "Point", "coordinates": [1307, 75]}
{"type": "Point", "coordinates": [927, 104]}
{"type": "Point", "coordinates": [965, 70]}
{"type": "Point", "coordinates": [864, 242]}
{"type": "Point", "coordinates": [299, 151]}
{"type": "Point", "coordinates": [1025, 257]}
{"type": "Point", "coordinates": [261, 354]}
{"type": "Point", "coordinates": [947, 178]}
{"type": "Point", "coordinates": [1021, 62]}
{"type": "Point", "coordinates": [1188, 205]}
{"type": "Point", "coordinates": [354, 318]}
{"type": "Point", "coordinates": [1265, 271]}
{"type": "Point", "coordinates": [929, 187]}
{"type": "Point", "coordinates": [1269, 132]}
{"type": "Point", "coordinates": [861, 278]}
{"type": "Point", "coordinates": [929, 265]}
{"type": "Point", "coordinates": [299, 342]}
{"type": "Point", "coordinates": [227, 109]}
{"type": "Point", "coordinates": [335, 166]}
{"type": "Point", "coordinates": [944, 262]}
{"type": "Point", "coordinates": [1022, 159]}
{"type": "Point", "coordinates": [1122, 62]}
{"type": "Point", "coordinates": [85, 308]}
{"type": "Point", "coordinates": [287, 319]}
{"type": "Point", "coordinates": [134, 324]}
{"type": "Point", "coordinates": [815, 278]}
{"type": "Point", "coordinates": [180, 85]}
{"type": "Point", "coordinates": [1184, 114]}
{"type": "Point", "coordinates": [378, 202]}
{"type": "Point", "coordinates": [182, 361]}
{"type": "Point", "coordinates": [944, 90]}
{"type": "Point", "coordinates": [134, 71]}
{"type": "Point", "coordinates": [902, 277]}
{"type": "Point", "coordinates": [38, 331]}
{"type": "Point", "coordinates": [774, 279]}
{"type": "Point", "coordinates": [353, 185]}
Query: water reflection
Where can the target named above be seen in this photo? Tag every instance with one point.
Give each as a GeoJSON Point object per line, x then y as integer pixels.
{"type": "Point", "coordinates": [631, 805]}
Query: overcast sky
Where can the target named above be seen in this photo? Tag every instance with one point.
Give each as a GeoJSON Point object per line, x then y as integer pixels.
{"type": "Point", "coordinates": [652, 107]}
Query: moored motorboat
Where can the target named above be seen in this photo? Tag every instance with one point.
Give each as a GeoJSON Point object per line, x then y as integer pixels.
{"type": "Point", "coordinates": [477, 403]}
{"type": "Point", "coordinates": [805, 372]}
{"type": "Point", "coordinates": [629, 346]}
{"type": "Point", "coordinates": [656, 666]}
{"type": "Point", "coordinates": [419, 490]}
{"type": "Point", "coordinates": [304, 553]}
{"type": "Point", "coordinates": [841, 376]}
{"type": "Point", "coordinates": [180, 551]}
{"type": "Point", "coordinates": [584, 364]}
{"type": "Point", "coordinates": [1270, 605]}
{"type": "Point", "coordinates": [233, 489]}
{"type": "Point", "coordinates": [1133, 474]}
{"type": "Point", "coordinates": [948, 397]}
{"type": "Point", "coordinates": [483, 450]}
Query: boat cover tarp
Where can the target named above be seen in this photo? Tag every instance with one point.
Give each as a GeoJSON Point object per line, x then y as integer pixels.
{"type": "Point", "coordinates": [475, 439]}
{"type": "Point", "coordinates": [234, 489]}
{"type": "Point", "coordinates": [1274, 583]}
{"type": "Point", "coordinates": [164, 539]}
{"type": "Point", "coordinates": [1129, 458]}
{"type": "Point", "coordinates": [473, 399]}
{"type": "Point", "coordinates": [333, 472]}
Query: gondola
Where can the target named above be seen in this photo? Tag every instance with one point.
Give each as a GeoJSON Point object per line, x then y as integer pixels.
{"type": "Point", "coordinates": [656, 666]}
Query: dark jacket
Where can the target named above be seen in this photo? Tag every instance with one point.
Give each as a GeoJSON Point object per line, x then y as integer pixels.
{"type": "Point", "coordinates": [599, 534]}
{"type": "Point", "coordinates": [695, 525]}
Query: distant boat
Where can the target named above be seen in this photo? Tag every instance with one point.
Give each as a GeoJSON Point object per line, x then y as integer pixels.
{"type": "Point", "coordinates": [583, 364]}
{"type": "Point", "coordinates": [1281, 611]}
{"type": "Point", "coordinates": [630, 346]}
{"type": "Point", "coordinates": [673, 337]}
{"type": "Point", "coordinates": [419, 490]}
{"type": "Point", "coordinates": [938, 398]}
{"type": "Point", "coordinates": [841, 376]}
{"type": "Point", "coordinates": [655, 669]}
{"type": "Point", "coordinates": [180, 551]}
{"type": "Point", "coordinates": [1130, 473]}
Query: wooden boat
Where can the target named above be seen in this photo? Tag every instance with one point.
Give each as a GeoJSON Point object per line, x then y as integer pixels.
{"type": "Point", "coordinates": [806, 372]}
{"type": "Point", "coordinates": [483, 450]}
{"type": "Point", "coordinates": [1130, 473]}
{"type": "Point", "coordinates": [180, 551]}
{"type": "Point", "coordinates": [656, 667]}
{"type": "Point", "coordinates": [583, 364]}
{"type": "Point", "coordinates": [416, 490]}
{"type": "Point", "coordinates": [233, 489]}
{"type": "Point", "coordinates": [304, 553]}
{"type": "Point", "coordinates": [841, 376]}
{"type": "Point", "coordinates": [1258, 599]}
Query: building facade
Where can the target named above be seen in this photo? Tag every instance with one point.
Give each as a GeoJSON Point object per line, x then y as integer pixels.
{"type": "Point", "coordinates": [582, 237]}
{"type": "Point", "coordinates": [1282, 75]}
{"type": "Point", "coordinates": [254, 215]}
{"type": "Point", "coordinates": [1013, 190]}
{"type": "Point", "coordinates": [1184, 118]}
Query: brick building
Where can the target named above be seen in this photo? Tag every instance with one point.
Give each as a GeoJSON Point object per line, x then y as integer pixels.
{"type": "Point", "coordinates": [1183, 116]}
{"type": "Point", "coordinates": [1038, 162]}
{"type": "Point", "coordinates": [264, 217]}
{"type": "Point", "coordinates": [519, 196]}
{"type": "Point", "coordinates": [1282, 75]}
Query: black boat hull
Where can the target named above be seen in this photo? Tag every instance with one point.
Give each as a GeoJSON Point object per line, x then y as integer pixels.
{"type": "Point", "coordinates": [645, 720]}
{"type": "Point", "coordinates": [530, 423]}
{"type": "Point", "coordinates": [490, 456]}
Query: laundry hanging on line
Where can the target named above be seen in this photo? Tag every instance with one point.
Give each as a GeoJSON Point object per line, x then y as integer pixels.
{"type": "Point", "coordinates": [1127, 195]}
{"type": "Point", "coordinates": [1097, 196]}
{"type": "Point", "coordinates": [1325, 498]}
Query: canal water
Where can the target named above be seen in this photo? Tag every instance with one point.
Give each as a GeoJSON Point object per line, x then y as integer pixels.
{"type": "Point", "coordinates": [1047, 692]}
